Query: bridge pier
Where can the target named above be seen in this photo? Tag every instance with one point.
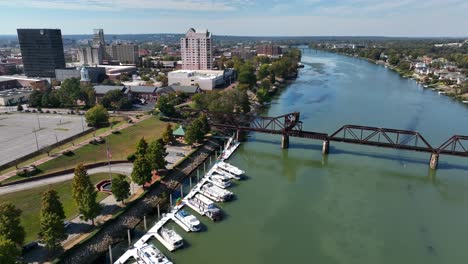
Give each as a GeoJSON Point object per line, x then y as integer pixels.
{"type": "Point", "coordinates": [238, 135]}
{"type": "Point", "coordinates": [285, 141]}
{"type": "Point", "coordinates": [434, 161]}
{"type": "Point", "coordinates": [326, 147]}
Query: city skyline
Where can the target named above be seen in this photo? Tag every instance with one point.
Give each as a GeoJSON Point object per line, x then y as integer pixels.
{"type": "Point", "coordinates": [399, 18]}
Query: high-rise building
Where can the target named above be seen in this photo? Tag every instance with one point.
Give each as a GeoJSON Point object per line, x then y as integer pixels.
{"type": "Point", "coordinates": [125, 53]}
{"type": "Point", "coordinates": [196, 50]}
{"type": "Point", "coordinates": [42, 51]}
{"type": "Point", "coordinates": [98, 37]}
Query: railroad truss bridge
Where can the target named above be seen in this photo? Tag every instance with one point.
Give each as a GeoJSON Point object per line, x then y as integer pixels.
{"type": "Point", "coordinates": [289, 125]}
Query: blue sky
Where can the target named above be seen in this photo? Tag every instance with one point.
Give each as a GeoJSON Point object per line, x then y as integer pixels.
{"type": "Point", "coordinates": [413, 18]}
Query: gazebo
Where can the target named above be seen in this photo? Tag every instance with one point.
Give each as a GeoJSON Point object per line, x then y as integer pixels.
{"type": "Point", "coordinates": [179, 132]}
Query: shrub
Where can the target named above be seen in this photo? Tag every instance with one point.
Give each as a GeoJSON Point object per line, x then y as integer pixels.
{"type": "Point", "coordinates": [131, 157]}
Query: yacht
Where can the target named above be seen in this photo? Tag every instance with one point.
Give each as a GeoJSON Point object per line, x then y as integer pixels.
{"type": "Point", "coordinates": [171, 237]}
{"type": "Point", "coordinates": [227, 174]}
{"type": "Point", "coordinates": [219, 180]}
{"type": "Point", "coordinates": [206, 206]}
{"type": "Point", "coordinates": [216, 193]}
{"type": "Point", "coordinates": [189, 220]}
{"type": "Point", "coordinates": [149, 254]}
{"type": "Point", "coordinates": [229, 168]}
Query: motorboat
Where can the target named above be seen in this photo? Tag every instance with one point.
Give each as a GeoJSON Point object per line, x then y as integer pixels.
{"type": "Point", "coordinates": [216, 193]}
{"type": "Point", "coordinates": [149, 254]}
{"type": "Point", "coordinates": [207, 207]}
{"type": "Point", "coordinates": [219, 180]}
{"type": "Point", "coordinates": [189, 220]}
{"type": "Point", "coordinates": [171, 237]}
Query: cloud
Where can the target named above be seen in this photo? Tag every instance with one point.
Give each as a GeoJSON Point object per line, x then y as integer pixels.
{"type": "Point", "coordinates": [119, 5]}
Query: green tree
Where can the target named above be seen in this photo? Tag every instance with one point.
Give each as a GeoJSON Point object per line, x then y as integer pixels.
{"type": "Point", "coordinates": [35, 99]}
{"type": "Point", "coordinates": [166, 105]}
{"type": "Point", "coordinates": [97, 116]}
{"type": "Point", "coordinates": [52, 230]}
{"type": "Point", "coordinates": [247, 75]}
{"type": "Point", "coordinates": [10, 223]}
{"type": "Point", "coordinates": [205, 125]}
{"type": "Point", "coordinates": [264, 71]}
{"type": "Point", "coordinates": [116, 100]}
{"type": "Point", "coordinates": [141, 173]}
{"type": "Point", "coordinates": [142, 147]}
{"type": "Point", "coordinates": [168, 136]}
{"type": "Point", "coordinates": [194, 132]}
{"type": "Point", "coordinates": [163, 79]}
{"type": "Point", "coordinates": [120, 188]}
{"type": "Point", "coordinates": [9, 252]}
{"type": "Point", "coordinates": [84, 194]}
{"type": "Point", "coordinates": [157, 155]}
{"type": "Point", "coordinates": [70, 91]}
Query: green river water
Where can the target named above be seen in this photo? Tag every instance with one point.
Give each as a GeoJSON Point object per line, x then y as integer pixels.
{"type": "Point", "coordinates": [362, 205]}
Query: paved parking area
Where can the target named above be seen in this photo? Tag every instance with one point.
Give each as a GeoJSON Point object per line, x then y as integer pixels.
{"type": "Point", "coordinates": [175, 153]}
{"type": "Point", "coordinates": [18, 132]}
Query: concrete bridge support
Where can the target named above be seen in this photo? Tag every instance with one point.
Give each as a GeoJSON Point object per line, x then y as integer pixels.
{"type": "Point", "coordinates": [326, 147]}
{"type": "Point", "coordinates": [238, 135]}
{"type": "Point", "coordinates": [285, 141]}
{"type": "Point", "coordinates": [434, 161]}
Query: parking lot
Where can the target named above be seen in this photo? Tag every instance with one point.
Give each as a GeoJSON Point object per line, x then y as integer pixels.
{"type": "Point", "coordinates": [175, 153]}
{"type": "Point", "coordinates": [18, 132]}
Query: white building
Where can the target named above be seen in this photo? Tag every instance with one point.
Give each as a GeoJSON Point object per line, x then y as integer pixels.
{"type": "Point", "coordinates": [196, 50]}
{"type": "Point", "coordinates": [206, 80]}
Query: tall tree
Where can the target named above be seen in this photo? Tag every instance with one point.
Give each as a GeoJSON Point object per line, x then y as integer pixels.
{"type": "Point", "coordinates": [142, 147]}
{"type": "Point", "coordinates": [52, 230]}
{"type": "Point", "coordinates": [97, 116]}
{"type": "Point", "coordinates": [9, 252]}
{"type": "Point", "coordinates": [168, 136]}
{"type": "Point", "coordinates": [120, 188]}
{"type": "Point", "coordinates": [194, 132]}
{"type": "Point", "coordinates": [10, 223]}
{"type": "Point", "coordinates": [141, 173]}
{"type": "Point", "coordinates": [84, 194]}
{"type": "Point", "coordinates": [205, 125]}
{"type": "Point", "coordinates": [157, 155]}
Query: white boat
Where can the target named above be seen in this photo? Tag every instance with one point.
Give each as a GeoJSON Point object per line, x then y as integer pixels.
{"type": "Point", "coordinates": [171, 237]}
{"type": "Point", "coordinates": [188, 220]}
{"type": "Point", "coordinates": [205, 206]}
{"type": "Point", "coordinates": [149, 254]}
{"type": "Point", "coordinates": [465, 102]}
{"type": "Point", "coordinates": [219, 180]}
{"type": "Point", "coordinates": [216, 193]}
{"type": "Point", "coordinates": [229, 168]}
{"type": "Point", "coordinates": [227, 174]}
{"type": "Point", "coordinates": [442, 93]}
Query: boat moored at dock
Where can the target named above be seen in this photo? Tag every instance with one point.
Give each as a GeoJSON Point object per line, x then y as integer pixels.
{"type": "Point", "coordinates": [190, 221]}
{"type": "Point", "coordinates": [216, 193]}
{"type": "Point", "coordinates": [171, 237]}
{"type": "Point", "coordinates": [149, 254]}
{"type": "Point", "coordinates": [204, 206]}
{"type": "Point", "coordinates": [219, 180]}
{"type": "Point", "coordinates": [229, 168]}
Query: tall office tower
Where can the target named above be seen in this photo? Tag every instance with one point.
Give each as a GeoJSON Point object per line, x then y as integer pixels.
{"type": "Point", "coordinates": [98, 37]}
{"type": "Point", "coordinates": [196, 50]}
{"type": "Point", "coordinates": [42, 51]}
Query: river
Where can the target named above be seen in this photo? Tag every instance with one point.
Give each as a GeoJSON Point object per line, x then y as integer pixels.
{"type": "Point", "coordinates": [361, 204]}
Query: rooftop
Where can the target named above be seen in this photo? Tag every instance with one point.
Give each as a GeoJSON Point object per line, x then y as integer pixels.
{"type": "Point", "coordinates": [12, 92]}
{"type": "Point", "coordinates": [202, 74]}
{"type": "Point", "coordinates": [102, 89]}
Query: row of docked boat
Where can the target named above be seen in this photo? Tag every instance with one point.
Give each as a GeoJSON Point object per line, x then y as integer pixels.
{"type": "Point", "coordinates": [201, 199]}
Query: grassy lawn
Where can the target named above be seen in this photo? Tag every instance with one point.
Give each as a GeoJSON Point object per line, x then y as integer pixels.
{"type": "Point", "coordinates": [116, 122]}
{"type": "Point", "coordinates": [121, 145]}
{"type": "Point", "coordinates": [29, 201]}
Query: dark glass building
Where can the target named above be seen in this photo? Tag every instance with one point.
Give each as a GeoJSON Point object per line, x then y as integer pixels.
{"type": "Point", "coordinates": [42, 51]}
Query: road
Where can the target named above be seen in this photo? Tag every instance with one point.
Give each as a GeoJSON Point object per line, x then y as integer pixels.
{"type": "Point", "coordinates": [123, 168]}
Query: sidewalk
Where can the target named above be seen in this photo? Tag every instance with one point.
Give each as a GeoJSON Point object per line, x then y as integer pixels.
{"type": "Point", "coordinates": [72, 148]}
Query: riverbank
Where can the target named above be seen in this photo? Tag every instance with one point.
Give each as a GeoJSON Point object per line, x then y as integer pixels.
{"type": "Point", "coordinates": [451, 91]}
{"type": "Point", "coordinates": [115, 229]}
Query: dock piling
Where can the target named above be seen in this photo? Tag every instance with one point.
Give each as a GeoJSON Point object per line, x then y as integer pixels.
{"type": "Point", "coordinates": [326, 147]}
{"type": "Point", "coordinates": [181, 191]}
{"type": "Point", "coordinates": [198, 176]}
{"type": "Point", "coordinates": [110, 254]}
{"type": "Point", "coordinates": [129, 239]}
{"type": "Point", "coordinates": [285, 141]}
{"type": "Point", "coordinates": [144, 222]}
{"type": "Point", "coordinates": [159, 213]}
{"type": "Point", "coordinates": [434, 161]}
{"type": "Point", "coordinates": [190, 182]}
{"type": "Point", "coordinates": [170, 199]}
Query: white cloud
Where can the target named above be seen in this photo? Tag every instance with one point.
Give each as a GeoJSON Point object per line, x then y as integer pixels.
{"type": "Point", "coordinates": [118, 5]}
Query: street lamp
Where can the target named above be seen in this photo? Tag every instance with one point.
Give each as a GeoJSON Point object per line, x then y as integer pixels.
{"type": "Point", "coordinates": [37, 143]}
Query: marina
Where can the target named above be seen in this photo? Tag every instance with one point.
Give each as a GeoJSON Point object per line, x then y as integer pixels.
{"type": "Point", "coordinates": [201, 199]}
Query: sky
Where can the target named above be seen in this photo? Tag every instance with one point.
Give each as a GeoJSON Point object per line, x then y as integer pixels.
{"type": "Point", "coordinates": [404, 18]}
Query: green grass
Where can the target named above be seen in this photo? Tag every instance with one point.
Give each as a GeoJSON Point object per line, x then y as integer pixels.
{"type": "Point", "coordinates": [29, 201]}
{"type": "Point", "coordinates": [121, 145]}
